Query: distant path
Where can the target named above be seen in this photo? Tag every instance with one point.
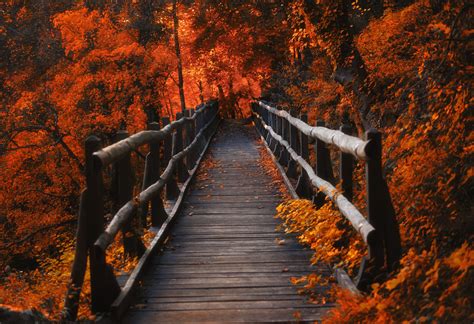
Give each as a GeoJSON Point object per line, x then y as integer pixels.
{"type": "Point", "coordinates": [224, 263]}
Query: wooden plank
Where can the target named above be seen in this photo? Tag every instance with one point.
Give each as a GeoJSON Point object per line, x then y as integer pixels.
{"type": "Point", "coordinates": [283, 315]}
{"type": "Point", "coordinates": [175, 260]}
{"type": "Point", "coordinates": [222, 210]}
{"type": "Point", "coordinates": [230, 305]}
{"type": "Point", "coordinates": [207, 275]}
{"type": "Point", "coordinates": [211, 249]}
{"type": "Point", "coordinates": [213, 292]}
{"type": "Point", "coordinates": [249, 253]}
{"type": "Point", "coordinates": [225, 260]}
{"type": "Point", "coordinates": [223, 298]}
{"type": "Point", "coordinates": [232, 231]}
{"type": "Point", "coordinates": [234, 200]}
{"type": "Point", "coordinates": [121, 303]}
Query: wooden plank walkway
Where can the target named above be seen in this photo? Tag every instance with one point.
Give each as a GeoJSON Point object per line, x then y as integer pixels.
{"type": "Point", "coordinates": [223, 262]}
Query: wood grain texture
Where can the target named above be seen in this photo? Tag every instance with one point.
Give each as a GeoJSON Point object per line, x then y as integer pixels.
{"type": "Point", "coordinates": [352, 214]}
{"type": "Point", "coordinates": [225, 261]}
{"type": "Point", "coordinates": [349, 144]}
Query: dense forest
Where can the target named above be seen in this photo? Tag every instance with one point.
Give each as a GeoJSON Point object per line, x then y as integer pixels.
{"type": "Point", "coordinates": [71, 68]}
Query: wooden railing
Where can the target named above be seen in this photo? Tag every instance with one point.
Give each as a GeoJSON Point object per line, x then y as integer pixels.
{"type": "Point", "coordinates": [288, 139]}
{"type": "Point", "coordinates": [179, 146]}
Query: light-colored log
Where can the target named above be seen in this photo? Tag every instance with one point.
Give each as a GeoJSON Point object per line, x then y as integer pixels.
{"type": "Point", "coordinates": [127, 210]}
{"type": "Point", "coordinates": [116, 151]}
{"type": "Point", "coordinates": [358, 221]}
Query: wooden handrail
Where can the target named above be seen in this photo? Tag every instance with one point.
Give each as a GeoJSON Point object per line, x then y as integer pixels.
{"type": "Point", "coordinates": [360, 224]}
{"type": "Point", "coordinates": [127, 210]}
{"type": "Point", "coordinates": [287, 138]}
{"type": "Point", "coordinates": [348, 144]}
{"type": "Point", "coordinates": [115, 152]}
{"type": "Point", "coordinates": [195, 131]}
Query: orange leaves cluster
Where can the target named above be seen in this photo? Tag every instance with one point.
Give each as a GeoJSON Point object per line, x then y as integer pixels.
{"type": "Point", "coordinates": [323, 230]}
{"type": "Point", "coordinates": [390, 45]}
{"type": "Point", "coordinates": [270, 169]}
{"type": "Point", "coordinates": [77, 30]}
{"type": "Point", "coordinates": [44, 288]}
{"type": "Point", "coordinates": [421, 90]}
{"type": "Point", "coordinates": [435, 290]}
{"type": "Point", "coordinates": [428, 154]}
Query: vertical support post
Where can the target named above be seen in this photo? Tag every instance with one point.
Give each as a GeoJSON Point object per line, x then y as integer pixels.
{"type": "Point", "coordinates": [270, 141]}
{"type": "Point", "coordinates": [291, 170]}
{"type": "Point", "coordinates": [275, 129]}
{"type": "Point", "coordinates": [188, 139]}
{"type": "Point", "coordinates": [283, 158]}
{"type": "Point", "coordinates": [381, 213]}
{"type": "Point", "coordinates": [158, 213]}
{"type": "Point", "coordinates": [104, 286]}
{"type": "Point", "coordinates": [178, 147]}
{"type": "Point", "coordinates": [201, 123]}
{"type": "Point", "coordinates": [304, 141]}
{"type": "Point", "coordinates": [194, 152]}
{"type": "Point", "coordinates": [303, 187]}
{"type": "Point", "coordinates": [323, 165]}
{"type": "Point", "coordinates": [374, 207]}
{"type": "Point", "coordinates": [185, 129]}
{"type": "Point", "coordinates": [172, 190]}
{"type": "Point", "coordinates": [266, 115]}
{"type": "Point", "coordinates": [79, 266]}
{"type": "Point", "coordinates": [125, 184]}
{"type": "Point", "coordinates": [346, 167]}
{"type": "Point", "coordinates": [266, 119]}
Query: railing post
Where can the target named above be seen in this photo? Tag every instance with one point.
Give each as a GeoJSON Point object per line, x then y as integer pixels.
{"type": "Point", "coordinates": [303, 187]}
{"type": "Point", "coordinates": [187, 126]}
{"type": "Point", "coordinates": [381, 213]}
{"type": "Point", "coordinates": [198, 123]}
{"type": "Point", "coordinates": [277, 129]}
{"type": "Point", "coordinates": [266, 134]}
{"type": "Point", "coordinates": [78, 271]}
{"type": "Point", "coordinates": [270, 141]}
{"type": "Point", "coordinates": [346, 167]}
{"type": "Point", "coordinates": [201, 122]}
{"type": "Point", "coordinates": [172, 190]}
{"type": "Point", "coordinates": [178, 147]}
{"type": "Point", "coordinates": [152, 170]}
{"type": "Point", "coordinates": [283, 157]}
{"type": "Point", "coordinates": [192, 136]}
{"type": "Point", "coordinates": [104, 287]}
{"type": "Point", "coordinates": [323, 165]}
{"type": "Point", "coordinates": [266, 115]}
{"type": "Point", "coordinates": [125, 184]}
{"type": "Point", "coordinates": [189, 138]}
{"type": "Point", "coordinates": [291, 170]}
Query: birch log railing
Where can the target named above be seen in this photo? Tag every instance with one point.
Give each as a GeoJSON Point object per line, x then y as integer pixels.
{"type": "Point", "coordinates": [287, 137]}
{"type": "Point", "coordinates": [179, 146]}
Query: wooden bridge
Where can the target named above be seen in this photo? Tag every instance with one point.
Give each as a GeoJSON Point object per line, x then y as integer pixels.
{"type": "Point", "coordinates": [215, 255]}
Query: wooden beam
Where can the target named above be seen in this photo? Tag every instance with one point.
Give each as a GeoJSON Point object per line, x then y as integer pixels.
{"type": "Point", "coordinates": [362, 150]}
{"type": "Point", "coordinates": [358, 221]}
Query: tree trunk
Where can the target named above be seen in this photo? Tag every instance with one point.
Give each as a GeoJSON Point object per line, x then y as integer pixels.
{"type": "Point", "coordinates": [331, 23]}
{"type": "Point", "coordinates": [178, 55]}
{"type": "Point", "coordinates": [201, 89]}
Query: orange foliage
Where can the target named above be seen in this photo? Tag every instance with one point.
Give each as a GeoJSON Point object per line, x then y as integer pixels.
{"type": "Point", "coordinates": [422, 95]}
{"type": "Point", "coordinates": [72, 71]}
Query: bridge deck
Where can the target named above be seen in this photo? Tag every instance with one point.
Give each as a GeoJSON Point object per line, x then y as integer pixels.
{"type": "Point", "coordinates": [224, 262]}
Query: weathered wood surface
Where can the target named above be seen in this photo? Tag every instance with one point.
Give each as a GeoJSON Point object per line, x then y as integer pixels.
{"type": "Point", "coordinates": [225, 261]}
{"type": "Point", "coordinates": [358, 221]}
{"type": "Point", "coordinates": [362, 150]}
